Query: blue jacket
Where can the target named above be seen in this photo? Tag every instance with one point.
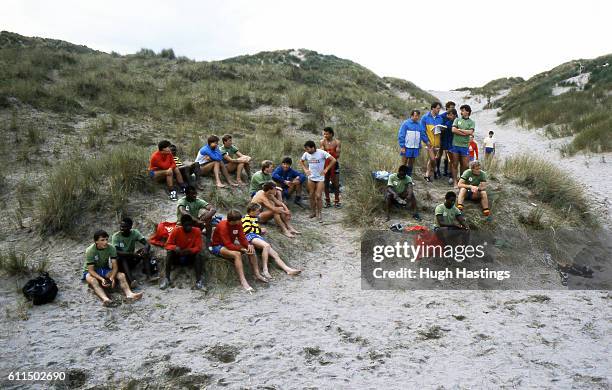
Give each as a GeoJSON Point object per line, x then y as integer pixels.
{"type": "Point", "coordinates": [447, 134]}
{"type": "Point", "coordinates": [214, 154]}
{"type": "Point", "coordinates": [281, 176]}
{"type": "Point", "coordinates": [411, 134]}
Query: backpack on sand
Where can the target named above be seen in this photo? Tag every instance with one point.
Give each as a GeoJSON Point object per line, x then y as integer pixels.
{"type": "Point", "coordinates": [40, 290]}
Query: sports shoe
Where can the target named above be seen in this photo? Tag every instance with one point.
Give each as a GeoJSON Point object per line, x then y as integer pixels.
{"type": "Point", "coordinates": [401, 201]}
{"type": "Point", "coordinates": [427, 179]}
{"type": "Point", "coordinates": [327, 204]}
{"type": "Point", "coordinates": [417, 216]}
{"type": "Point", "coordinates": [338, 205]}
{"type": "Point", "coordinates": [164, 283]}
{"type": "Point", "coordinates": [200, 285]}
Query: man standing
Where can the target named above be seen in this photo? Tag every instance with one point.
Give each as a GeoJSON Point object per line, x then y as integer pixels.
{"type": "Point", "coordinates": [432, 122]}
{"type": "Point", "coordinates": [409, 137]}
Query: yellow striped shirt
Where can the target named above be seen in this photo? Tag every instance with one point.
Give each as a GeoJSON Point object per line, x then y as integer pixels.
{"type": "Point", "coordinates": [250, 225]}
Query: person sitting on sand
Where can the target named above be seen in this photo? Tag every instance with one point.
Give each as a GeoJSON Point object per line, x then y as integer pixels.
{"type": "Point", "coordinates": [449, 219]}
{"type": "Point", "coordinates": [473, 186]}
{"type": "Point", "coordinates": [163, 168]}
{"type": "Point", "coordinates": [226, 234]}
{"type": "Point", "coordinates": [210, 159]}
{"type": "Point", "coordinates": [410, 136]}
{"type": "Point", "coordinates": [254, 233]}
{"type": "Point", "coordinates": [263, 176]}
{"type": "Point", "coordinates": [489, 145]}
{"type": "Point", "coordinates": [316, 171]}
{"type": "Point", "coordinates": [400, 192]}
{"type": "Point", "coordinates": [183, 248]}
{"type": "Point", "coordinates": [97, 273]}
{"type": "Point", "coordinates": [332, 178]}
{"type": "Point", "coordinates": [289, 180]}
{"type": "Point", "coordinates": [200, 211]}
{"type": "Point", "coordinates": [124, 242]}
{"type": "Point", "coordinates": [462, 129]}
{"type": "Point", "coordinates": [187, 168]}
{"type": "Point", "coordinates": [235, 161]}
{"type": "Point", "coordinates": [274, 208]}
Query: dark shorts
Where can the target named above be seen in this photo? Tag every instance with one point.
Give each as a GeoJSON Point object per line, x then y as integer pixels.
{"type": "Point", "coordinates": [132, 259]}
{"type": "Point", "coordinates": [100, 271]}
{"type": "Point", "coordinates": [410, 153]}
{"type": "Point", "coordinates": [489, 150]}
{"type": "Point", "coordinates": [152, 174]}
{"type": "Point", "coordinates": [182, 260]}
{"type": "Point", "coordinates": [462, 151]}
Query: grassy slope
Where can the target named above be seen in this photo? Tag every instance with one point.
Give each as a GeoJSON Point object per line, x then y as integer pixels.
{"type": "Point", "coordinates": [61, 102]}
{"type": "Point", "coordinates": [585, 113]}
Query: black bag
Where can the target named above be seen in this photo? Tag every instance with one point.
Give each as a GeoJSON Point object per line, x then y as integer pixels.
{"type": "Point", "coordinates": [40, 290]}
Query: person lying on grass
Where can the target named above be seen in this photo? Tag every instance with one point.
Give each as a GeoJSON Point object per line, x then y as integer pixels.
{"type": "Point", "coordinates": [234, 160]}
{"type": "Point", "coordinates": [101, 270]}
{"type": "Point", "coordinates": [472, 185]}
{"type": "Point", "coordinates": [400, 192]}
{"type": "Point", "coordinates": [289, 180]}
{"type": "Point", "coordinates": [274, 208]}
{"type": "Point", "coordinates": [210, 159]}
{"type": "Point", "coordinates": [224, 238]}
{"type": "Point", "coordinates": [186, 168]}
{"type": "Point", "coordinates": [200, 211]}
{"type": "Point", "coordinates": [163, 168]}
{"type": "Point", "coordinates": [183, 248]}
{"type": "Point", "coordinates": [254, 233]}
{"type": "Point", "coordinates": [124, 242]}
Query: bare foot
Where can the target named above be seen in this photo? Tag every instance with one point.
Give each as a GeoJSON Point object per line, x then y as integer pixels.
{"type": "Point", "coordinates": [288, 234]}
{"type": "Point", "coordinates": [134, 297]}
{"type": "Point", "coordinates": [261, 278]}
{"type": "Point", "coordinates": [312, 215]}
{"type": "Point", "coordinates": [248, 289]}
{"type": "Point", "coordinates": [221, 185]}
{"type": "Point", "coordinates": [294, 231]}
{"type": "Point", "coordinates": [235, 184]}
{"type": "Point", "coordinates": [293, 272]}
{"type": "Point", "coordinates": [266, 274]}
{"type": "Point", "coordinates": [241, 183]}
{"type": "Point", "coordinates": [107, 303]}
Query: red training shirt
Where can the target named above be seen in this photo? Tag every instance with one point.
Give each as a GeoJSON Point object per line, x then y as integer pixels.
{"type": "Point", "coordinates": [191, 241]}
{"type": "Point", "coordinates": [225, 234]}
{"type": "Point", "coordinates": [161, 161]}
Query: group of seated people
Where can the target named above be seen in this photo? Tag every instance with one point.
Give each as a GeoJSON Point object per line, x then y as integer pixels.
{"type": "Point", "coordinates": [269, 188]}
{"type": "Point", "coordinates": [448, 216]}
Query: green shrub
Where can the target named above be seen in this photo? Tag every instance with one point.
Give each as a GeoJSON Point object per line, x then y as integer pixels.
{"type": "Point", "coordinates": [81, 185]}
{"type": "Point", "coordinates": [549, 184]}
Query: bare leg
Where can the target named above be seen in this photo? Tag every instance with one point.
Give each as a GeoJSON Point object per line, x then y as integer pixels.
{"type": "Point", "coordinates": [286, 218]}
{"type": "Point", "coordinates": [281, 223]}
{"type": "Point", "coordinates": [484, 202]}
{"type": "Point", "coordinates": [239, 170]}
{"type": "Point", "coordinates": [281, 263]}
{"type": "Point", "coordinates": [455, 168]}
{"type": "Point", "coordinates": [255, 266]}
{"type": "Point", "coordinates": [311, 198]}
{"type": "Point", "coordinates": [126, 288]}
{"type": "Point", "coordinates": [237, 258]}
{"type": "Point", "coordinates": [226, 174]}
{"type": "Point", "coordinates": [319, 199]}
{"type": "Point", "coordinates": [95, 285]}
{"type": "Point", "coordinates": [461, 198]}
{"type": "Point", "coordinates": [265, 252]}
{"type": "Point", "coordinates": [216, 169]}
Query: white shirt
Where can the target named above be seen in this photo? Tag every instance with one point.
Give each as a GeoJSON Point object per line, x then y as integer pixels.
{"type": "Point", "coordinates": [316, 163]}
{"type": "Point", "coordinates": [489, 142]}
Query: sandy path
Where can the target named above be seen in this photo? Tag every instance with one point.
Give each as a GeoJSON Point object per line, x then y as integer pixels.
{"type": "Point", "coordinates": [320, 330]}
